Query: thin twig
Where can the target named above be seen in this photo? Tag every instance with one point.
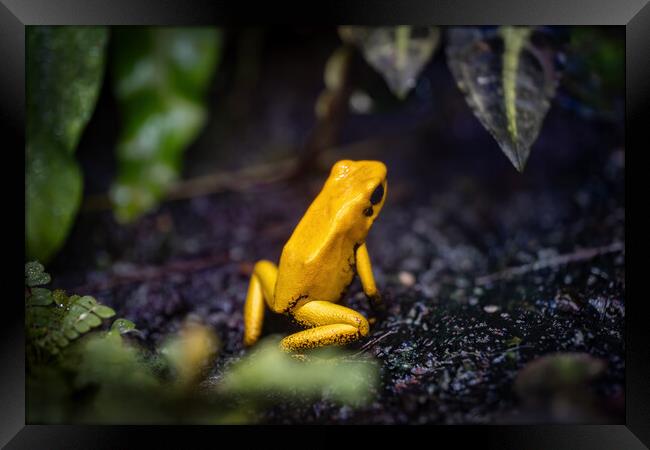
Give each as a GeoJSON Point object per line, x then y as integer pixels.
{"type": "Point", "coordinates": [372, 342]}
{"type": "Point", "coordinates": [559, 260]}
{"type": "Point", "coordinates": [220, 181]}
{"type": "Point", "coordinates": [148, 273]}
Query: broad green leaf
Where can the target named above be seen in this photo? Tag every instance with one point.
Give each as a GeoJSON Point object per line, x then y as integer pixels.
{"type": "Point", "coordinates": [398, 53]}
{"type": "Point", "coordinates": [160, 78]}
{"type": "Point", "coordinates": [65, 66]}
{"type": "Point", "coordinates": [64, 71]}
{"type": "Point", "coordinates": [507, 81]}
{"type": "Point", "coordinates": [53, 188]}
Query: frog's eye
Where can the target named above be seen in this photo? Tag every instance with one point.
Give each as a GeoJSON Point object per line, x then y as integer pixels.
{"type": "Point", "coordinates": [377, 194]}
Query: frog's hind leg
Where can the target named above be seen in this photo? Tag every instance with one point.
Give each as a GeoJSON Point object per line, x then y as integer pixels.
{"type": "Point", "coordinates": [332, 325]}
{"type": "Point", "coordinates": [260, 289]}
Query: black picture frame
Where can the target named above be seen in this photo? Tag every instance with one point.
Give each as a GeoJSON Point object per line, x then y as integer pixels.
{"type": "Point", "coordinates": [634, 15]}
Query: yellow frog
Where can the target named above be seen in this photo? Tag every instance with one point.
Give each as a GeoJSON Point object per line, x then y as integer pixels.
{"type": "Point", "coordinates": [319, 262]}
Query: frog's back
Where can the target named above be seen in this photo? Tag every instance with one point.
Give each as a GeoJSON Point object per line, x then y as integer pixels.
{"type": "Point", "coordinates": [317, 263]}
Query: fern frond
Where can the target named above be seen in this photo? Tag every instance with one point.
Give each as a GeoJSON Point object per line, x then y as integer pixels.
{"type": "Point", "coordinates": [52, 318]}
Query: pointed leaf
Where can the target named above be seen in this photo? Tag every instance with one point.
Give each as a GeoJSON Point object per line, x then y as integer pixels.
{"type": "Point", "coordinates": [507, 81]}
{"type": "Point", "coordinates": [398, 53]}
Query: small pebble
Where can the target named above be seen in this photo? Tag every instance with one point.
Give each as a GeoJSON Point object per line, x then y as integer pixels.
{"type": "Point", "coordinates": [406, 278]}
{"type": "Point", "coordinates": [490, 308]}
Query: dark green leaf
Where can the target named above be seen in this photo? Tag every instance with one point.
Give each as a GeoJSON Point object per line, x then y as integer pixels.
{"type": "Point", "coordinates": [65, 66]}
{"type": "Point", "coordinates": [53, 194]}
{"type": "Point", "coordinates": [64, 73]}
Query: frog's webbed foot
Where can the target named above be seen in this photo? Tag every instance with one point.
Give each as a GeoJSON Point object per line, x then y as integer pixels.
{"type": "Point", "coordinates": [260, 289]}
{"type": "Point", "coordinates": [332, 325]}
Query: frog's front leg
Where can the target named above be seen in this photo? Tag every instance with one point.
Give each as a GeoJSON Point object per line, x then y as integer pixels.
{"type": "Point", "coordinates": [332, 325]}
{"type": "Point", "coordinates": [261, 288]}
{"type": "Point", "coordinates": [364, 269]}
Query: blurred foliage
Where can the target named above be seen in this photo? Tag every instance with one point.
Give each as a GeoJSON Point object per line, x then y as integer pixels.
{"type": "Point", "coordinates": [594, 71]}
{"type": "Point", "coordinates": [160, 76]}
{"type": "Point", "coordinates": [190, 353]}
{"type": "Point", "coordinates": [64, 70]}
{"type": "Point", "coordinates": [508, 82]}
{"type": "Point", "coordinates": [81, 374]}
{"type": "Point", "coordinates": [558, 385]}
{"type": "Point", "coordinates": [268, 370]}
{"type": "Point", "coordinates": [398, 53]}
{"type": "Point", "coordinates": [557, 372]}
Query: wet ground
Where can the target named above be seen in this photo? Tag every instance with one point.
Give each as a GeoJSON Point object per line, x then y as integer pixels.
{"type": "Point", "coordinates": [483, 271]}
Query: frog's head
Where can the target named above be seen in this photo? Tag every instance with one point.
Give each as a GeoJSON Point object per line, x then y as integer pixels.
{"type": "Point", "coordinates": [356, 192]}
